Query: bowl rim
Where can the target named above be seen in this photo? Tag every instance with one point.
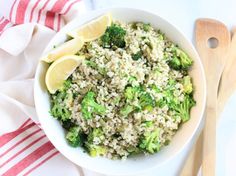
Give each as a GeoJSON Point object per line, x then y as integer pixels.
{"type": "Point", "coordinates": [95, 14]}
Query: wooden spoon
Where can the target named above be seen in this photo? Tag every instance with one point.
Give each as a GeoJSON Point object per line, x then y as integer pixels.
{"type": "Point", "coordinates": [228, 77]}
{"type": "Point", "coordinates": [213, 59]}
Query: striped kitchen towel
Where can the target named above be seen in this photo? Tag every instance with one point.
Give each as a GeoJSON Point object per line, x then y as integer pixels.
{"type": "Point", "coordinates": [51, 13]}
{"type": "Point", "coordinates": [25, 149]}
{"type": "Point", "coordinates": [26, 26]}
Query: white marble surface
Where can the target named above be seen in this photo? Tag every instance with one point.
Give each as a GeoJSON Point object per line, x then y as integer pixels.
{"type": "Point", "coordinates": [183, 14]}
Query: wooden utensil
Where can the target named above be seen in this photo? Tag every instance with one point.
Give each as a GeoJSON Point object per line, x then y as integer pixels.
{"type": "Point", "coordinates": [213, 59]}
{"type": "Point", "coordinates": [228, 77]}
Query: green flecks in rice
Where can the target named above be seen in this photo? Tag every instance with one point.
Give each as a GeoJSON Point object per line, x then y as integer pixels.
{"type": "Point", "coordinates": [143, 121]}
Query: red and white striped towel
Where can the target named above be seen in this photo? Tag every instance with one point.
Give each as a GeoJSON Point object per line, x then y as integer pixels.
{"type": "Point", "coordinates": [26, 26]}
{"type": "Point", "coordinates": [15, 154]}
{"type": "Point", "coordinates": [51, 13]}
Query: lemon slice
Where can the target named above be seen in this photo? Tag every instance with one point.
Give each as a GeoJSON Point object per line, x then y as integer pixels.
{"type": "Point", "coordinates": [60, 70]}
{"type": "Point", "coordinates": [94, 29]}
{"type": "Point", "coordinates": [69, 47]}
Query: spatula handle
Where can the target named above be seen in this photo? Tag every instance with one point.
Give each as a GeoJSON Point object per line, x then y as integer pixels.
{"type": "Point", "coordinates": [213, 61]}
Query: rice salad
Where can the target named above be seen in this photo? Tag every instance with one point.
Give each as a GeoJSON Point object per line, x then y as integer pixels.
{"type": "Point", "coordinates": [129, 96]}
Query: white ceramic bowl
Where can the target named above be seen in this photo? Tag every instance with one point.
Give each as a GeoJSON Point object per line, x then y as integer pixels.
{"type": "Point", "coordinates": [137, 164]}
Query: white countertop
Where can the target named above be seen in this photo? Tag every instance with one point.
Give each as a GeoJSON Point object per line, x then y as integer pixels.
{"type": "Point", "coordinates": [183, 14]}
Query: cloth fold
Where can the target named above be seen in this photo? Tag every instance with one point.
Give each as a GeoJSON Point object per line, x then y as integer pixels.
{"type": "Point", "coordinates": [26, 27]}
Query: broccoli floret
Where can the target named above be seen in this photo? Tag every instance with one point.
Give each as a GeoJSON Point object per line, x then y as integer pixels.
{"type": "Point", "coordinates": [60, 112]}
{"type": "Point", "coordinates": [95, 66]}
{"type": "Point", "coordinates": [171, 83]}
{"type": "Point", "coordinates": [96, 133]}
{"type": "Point", "coordinates": [74, 136]}
{"type": "Point", "coordinates": [134, 25]}
{"type": "Point", "coordinates": [169, 97]}
{"type": "Point", "coordinates": [132, 80]}
{"type": "Point", "coordinates": [175, 63]}
{"type": "Point", "coordinates": [137, 55]}
{"type": "Point", "coordinates": [114, 36]}
{"type": "Point", "coordinates": [131, 92]}
{"type": "Point", "coordinates": [90, 107]}
{"type": "Point", "coordinates": [146, 27]}
{"type": "Point", "coordinates": [187, 85]}
{"type": "Point", "coordinates": [180, 60]}
{"type": "Point", "coordinates": [148, 123]}
{"type": "Point", "coordinates": [133, 150]}
{"type": "Point", "coordinates": [67, 84]}
{"type": "Point", "coordinates": [183, 109]}
{"type": "Point", "coordinates": [146, 101]}
{"type": "Point", "coordinates": [155, 88]}
{"type": "Point", "coordinates": [59, 109]}
{"type": "Point", "coordinates": [95, 136]}
{"type": "Point", "coordinates": [95, 150]}
{"type": "Point", "coordinates": [91, 64]}
{"type": "Point", "coordinates": [186, 61]}
{"type": "Point", "coordinates": [160, 103]}
{"type": "Point", "coordinates": [150, 141]}
{"type": "Point", "coordinates": [168, 94]}
{"type": "Point", "coordinates": [126, 110]}
{"type": "Point", "coordinates": [161, 36]}
{"type": "Point", "coordinates": [67, 124]}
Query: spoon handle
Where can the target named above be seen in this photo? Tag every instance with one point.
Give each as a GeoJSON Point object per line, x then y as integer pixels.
{"type": "Point", "coordinates": [228, 78]}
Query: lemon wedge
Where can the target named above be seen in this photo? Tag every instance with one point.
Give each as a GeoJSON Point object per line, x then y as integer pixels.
{"type": "Point", "coordinates": [69, 47]}
{"type": "Point", "coordinates": [94, 29]}
{"type": "Point", "coordinates": [60, 70]}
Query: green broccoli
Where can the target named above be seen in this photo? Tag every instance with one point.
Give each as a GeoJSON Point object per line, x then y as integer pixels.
{"type": "Point", "coordinates": [90, 107]}
{"type": "Point", "coordinates": [175, 63]}
{"type": "Point", "coordinates": [67, 124]}
{"type": "Point", "coordinates": [95, 66]}
{"type": "Point", "coordinates": [187, 85]}
{"type": "Point", "coordinates": [180, 60]}
{"type": "Point", "coordinates": [137, 55]}
{"type": "Point", "coordinates": [168, 96]}
{"type": "Point", "coordinates": [148, 123]}
{"type": "Point", "coordinates": [155, 88]}
{"type": "Point", "coordinates": [59, 109]}
{"type": "Point", "coordinates": [133, 150]}
{"type": "Point", "coordinates": [183, 109]}
{"type": "Point", "coordinates": [150, 141]}
{"type": "Point", "coordinates": [161, 36]}
{"type": "Point", "coordinates": [91, 64]}
{"type": "Point", "coordinates": [96, 133]}
{"type": "Point", "coordinates": [161, 102]}
{"type": "Point", "coordinates": [146, 27]}
{"type": "Point", "coordinates": [60, 112]}
{"type": "Point", "coordinates": [114, 36]}
{"type": "Point", "coordinates": [134, 25]}
{"type": "Point", "coordinates": [132, 80]}
{"type": "Point", "coordinates": [74, 136]}
{"type": "Point", "coordinates": [132, 92]}
{"type": "Point", "coordinates": [146, 101]}
{"type": "Point", "coordinates": [95, 150]}
{"type": "Point", "coordinates": [171, 83]}
{"type": "Point", "coordinates": [186, 61]}
{"type": "Point", "coordinates": [66, 85]}
{"type": "Point", "coordinates": [126, 110]}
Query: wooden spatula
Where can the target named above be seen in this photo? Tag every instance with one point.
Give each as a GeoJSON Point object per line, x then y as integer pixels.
{"type": "Point", "coordinates": [213, 58]}
{"type": "Point", "coordinates": [228, 78]}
